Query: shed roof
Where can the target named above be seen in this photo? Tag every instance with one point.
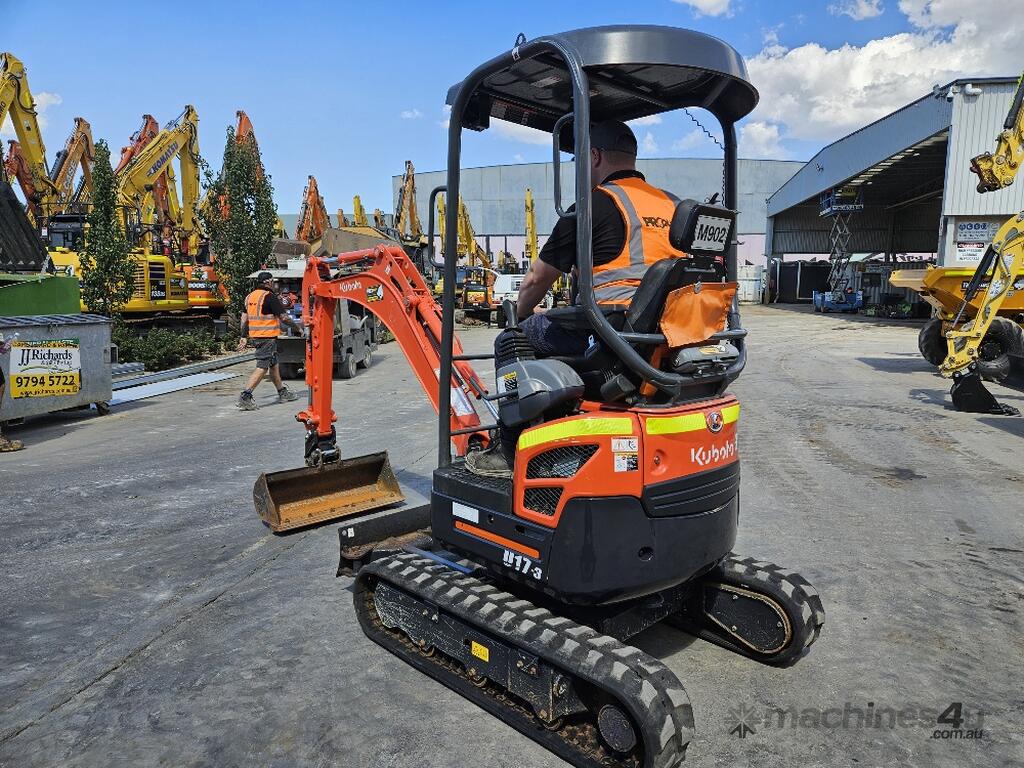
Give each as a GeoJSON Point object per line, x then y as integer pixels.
{"type": "Point", "coordinates": [899, 158]}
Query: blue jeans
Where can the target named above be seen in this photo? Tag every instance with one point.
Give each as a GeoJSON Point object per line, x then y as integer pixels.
{"type": "Point", "coordinates": [549, 339]}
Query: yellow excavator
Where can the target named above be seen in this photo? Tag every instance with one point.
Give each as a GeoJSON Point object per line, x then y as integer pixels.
{"type": "Point", "coordinates": [999, 275]}
{"type": "Point", "coordinates": [78, 155]}
{"type": "Point", "coordinates": [358, 213]}
{"type": "Point", "coordinates": [473, 291]}
{"type": "Point", "coordinates": [161, 282]}
{"type": "Point", "coordinates": [27, 162]}
{"type": "Point", "coordinates": [407, 217]}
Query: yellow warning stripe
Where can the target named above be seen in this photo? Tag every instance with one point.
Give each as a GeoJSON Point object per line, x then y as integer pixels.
{"type": "Point", "coordinates": [575, 428]}
{"type": "Point", "coordinates": [687, 422]}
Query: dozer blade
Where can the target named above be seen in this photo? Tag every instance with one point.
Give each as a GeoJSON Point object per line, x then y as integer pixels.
{"type": "Point", "coordinates": [294, 498]}
{"type": "Point", "coordinates": [971, 396]}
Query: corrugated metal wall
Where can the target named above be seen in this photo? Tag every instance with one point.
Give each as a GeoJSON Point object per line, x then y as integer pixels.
{"type": "Point", "coordinates": [977, 120]}
{"type": "Point", "coordinates": [494, 195]}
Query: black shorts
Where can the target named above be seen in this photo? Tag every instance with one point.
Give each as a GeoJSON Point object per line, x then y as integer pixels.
{"type": "Point", "coordinates": [2, 379]}
{"type": "Point", "coordinates": [266, 353]}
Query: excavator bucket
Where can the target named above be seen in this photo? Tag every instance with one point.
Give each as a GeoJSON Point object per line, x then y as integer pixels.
{"type": "Point", "coordinates": [294, 498]}
{"type": "Point", "coordinates": [970, 395]}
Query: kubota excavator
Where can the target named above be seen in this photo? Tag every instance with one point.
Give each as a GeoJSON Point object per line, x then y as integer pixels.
{"type": "Point", "coordinates": [997, 277]}
{"type": "Point", "coordinates": [623, 506]}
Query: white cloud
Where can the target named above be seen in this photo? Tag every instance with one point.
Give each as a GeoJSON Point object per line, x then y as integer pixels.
{"type": "Point", "coordinates": [858, 10]}
{"type": "Point", "coordinates": [648, 146]}
{"type": "Point", "coordinates": [708, 7]}
{"type": "Point", "coordinates": [691, 140]}
{"type": "Point", "coordinates": [44, 100]}
{"type": "Point", "coordinates": [519, 158]}
{"type": "Point", "coordinates": [761, 141]}
{"type": "Point", "coordinates": [649, 120]}
{"type": "Point", "coordinates": [820, 94]}
{"type": "Point", "coordinates": [411, 114]}
{"type": "Point", "coordinates": [522, 133]}
{"type": "Point", "coordinates": [446, 114]}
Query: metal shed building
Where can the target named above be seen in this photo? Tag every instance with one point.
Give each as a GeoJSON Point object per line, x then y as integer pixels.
{"type": "Point", "coordinates": [494, 195]}
{"type": "Point", "coordinates": [913, 167]}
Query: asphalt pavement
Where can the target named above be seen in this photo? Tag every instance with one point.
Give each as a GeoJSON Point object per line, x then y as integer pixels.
{"type": "Point", "coordinates": [150, 619]}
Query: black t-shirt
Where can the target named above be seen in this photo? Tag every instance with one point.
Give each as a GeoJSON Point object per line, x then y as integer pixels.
{"type": "Point", "coordinates": [608, 227]}
{"type": "Point", "coordinates": [272, 305]}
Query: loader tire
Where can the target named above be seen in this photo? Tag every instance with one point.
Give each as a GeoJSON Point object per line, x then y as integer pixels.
{"type": "Point", "coordinates": [347, 366]}
{"type": "Point", "coordinates": [1003, 341]}
{"type": "Point", "coordinates": [932, 342]}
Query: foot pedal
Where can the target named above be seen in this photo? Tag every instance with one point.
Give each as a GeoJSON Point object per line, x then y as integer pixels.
{"type": "Point", "coordinates": [751, 619]}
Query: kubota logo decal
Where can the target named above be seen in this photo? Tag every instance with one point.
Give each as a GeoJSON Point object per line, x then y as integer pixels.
{"type": "Point", "coordinates": [704, 455]}
{"type": "Point", "coordinates": [715, 421]}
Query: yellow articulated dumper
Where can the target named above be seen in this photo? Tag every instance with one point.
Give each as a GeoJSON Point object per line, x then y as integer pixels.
{"type": "Point", "coordinates": [944, 288]}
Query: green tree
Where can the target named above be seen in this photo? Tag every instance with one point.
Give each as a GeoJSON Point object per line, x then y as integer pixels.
{"type": "Point", "coordinates": [108, 269]}
{"type": "Point", "coordinates": [241, 239]}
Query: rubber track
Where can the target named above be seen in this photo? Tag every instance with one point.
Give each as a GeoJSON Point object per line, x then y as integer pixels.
{"type": "Point", "coordinates": [642, 684]}
{"type": "Point", "coordinates": [805, 604]}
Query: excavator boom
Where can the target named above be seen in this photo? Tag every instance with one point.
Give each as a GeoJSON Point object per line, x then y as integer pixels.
{"type": "Point", "coordinates": [77, 153]}
{"type": "Point", "coordinates": [313, 216]}
{"type": "Point", "coordinates": [33, 176]}
{"type": "Point", "coordinates": [385, 281]}
{"type": "Point", "coordinates": [996, 275]}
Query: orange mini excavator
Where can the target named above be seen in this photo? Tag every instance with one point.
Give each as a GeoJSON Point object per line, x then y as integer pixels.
{"type": "Point", "coordinates": [623, 507]}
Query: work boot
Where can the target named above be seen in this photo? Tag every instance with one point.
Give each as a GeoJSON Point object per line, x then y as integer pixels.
{"type": "Point", "coordinates": [246, 402]}
{"type": "Point", "coordinates": [489, 463]}
{"type": "Point", "coordinates": [285, 395]}
{"type": "Point", "coordinates": [7, 446]}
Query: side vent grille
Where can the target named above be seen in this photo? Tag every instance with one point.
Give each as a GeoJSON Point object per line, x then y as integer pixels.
{"type": "Point", "coordinates": [559, 462]}
{"type": "Point", "coordinates": [544, 501]}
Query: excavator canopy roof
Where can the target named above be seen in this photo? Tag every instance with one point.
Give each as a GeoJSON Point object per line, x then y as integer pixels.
{"type": "Point", "coordinates": [634, 71]}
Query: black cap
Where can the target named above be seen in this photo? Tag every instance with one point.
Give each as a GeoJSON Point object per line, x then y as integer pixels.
{"type": "Point", "coordinates": [263, 277]}
{"type": "Point", "coordinates": [611, 135]}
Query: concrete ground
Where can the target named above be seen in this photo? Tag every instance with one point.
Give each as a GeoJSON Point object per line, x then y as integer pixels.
{"type": "Point", "coordinates": [149, 619]}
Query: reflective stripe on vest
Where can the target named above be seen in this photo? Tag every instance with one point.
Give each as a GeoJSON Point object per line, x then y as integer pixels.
{"type": "Point", "coordinates": [647, 213]}
{"type": "Point", "coordinates": [260, 326]}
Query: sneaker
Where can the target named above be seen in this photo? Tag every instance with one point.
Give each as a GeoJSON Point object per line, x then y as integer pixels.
{"type": "Point", "coordinates": [246, 402]}
{"type": "Point", "coordinates": [489, 463]}
{"type": "Point", "coordinates": [6, 446]}
{"type": "Point", "coordinates": [285, 395]}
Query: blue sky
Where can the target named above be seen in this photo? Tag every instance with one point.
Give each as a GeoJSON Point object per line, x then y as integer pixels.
{"type": "Point", "coordinates": [348, 91]}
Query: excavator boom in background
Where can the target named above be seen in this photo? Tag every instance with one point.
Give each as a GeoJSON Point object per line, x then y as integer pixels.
{"type": "Point", "coordinates": [313, 217]}
{"type": "Point", "coordinates": [78, 154]}
{"type": "Point", "coordinates": [30, 169]}
{"type": "Point", "coordinates": [999, 274]}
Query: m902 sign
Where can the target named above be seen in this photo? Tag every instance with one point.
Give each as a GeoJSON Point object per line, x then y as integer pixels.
{"type": "Point", "coordinates": [710, 234]}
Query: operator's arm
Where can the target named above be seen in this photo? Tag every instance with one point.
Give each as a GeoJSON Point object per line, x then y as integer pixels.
{"type": "Point", "coordinates": [288, 320]}
{"type": "Point", "coordinates": [539, 278]}
{"type": "Point", "coordinates": [243, 331]}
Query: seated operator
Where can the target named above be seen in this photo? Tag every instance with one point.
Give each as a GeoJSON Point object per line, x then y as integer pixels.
{"type": "Point", "coordinates": [630, 232]}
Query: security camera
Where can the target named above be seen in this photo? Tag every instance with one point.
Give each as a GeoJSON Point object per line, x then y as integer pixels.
{"type": "Point", "coordinates": [950, 96]}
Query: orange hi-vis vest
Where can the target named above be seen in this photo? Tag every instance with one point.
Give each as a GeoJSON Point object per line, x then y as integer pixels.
{"type": "Point", "coordinates": [647, 212]}
{"type": "Point", "coordinates": [260, 326]}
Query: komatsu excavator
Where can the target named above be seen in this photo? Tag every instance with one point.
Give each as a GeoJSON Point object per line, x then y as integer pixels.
{"type": "Point", "coordinates": [996, 278]}
{"type": "Point", "coordinates": [623, 507]}
{"type": "Point", "coordinates": [77, 155]}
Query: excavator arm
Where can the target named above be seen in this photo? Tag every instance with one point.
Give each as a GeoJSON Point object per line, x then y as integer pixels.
{"type": "Point", "coordinates": [385, 281]}
{"type": "Point", "coordinates": [313, 216]}
{"type": "Point", "coordinates": [998, 169]}
{"type": "Point", "coordinates": [407, 218]}
{"type": "Point", "coordinates": [999, 274]}
{"type": "Point", "coordinates": [77, 153]}
{"type": "Point", "coordinates": [358, 213]}
{"type": "Point", "coordinates": [144, 173]}
{"type": "Point", "coordinates": [33, 176]}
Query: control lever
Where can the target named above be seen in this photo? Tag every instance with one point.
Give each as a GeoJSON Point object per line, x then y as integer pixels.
{"type": "Point", "coordinates": [509, 309]}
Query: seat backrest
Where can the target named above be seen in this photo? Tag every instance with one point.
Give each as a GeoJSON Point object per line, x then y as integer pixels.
{"type": "Point", "coordinates": [648, 302]}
